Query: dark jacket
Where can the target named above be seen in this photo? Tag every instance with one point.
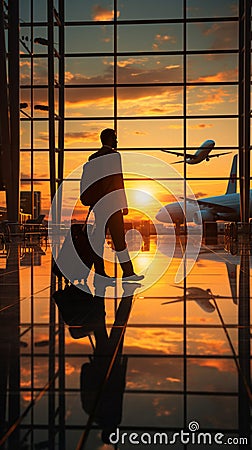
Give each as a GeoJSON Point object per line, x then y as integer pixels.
{"type": "Point", "coordinates": [106, 184]}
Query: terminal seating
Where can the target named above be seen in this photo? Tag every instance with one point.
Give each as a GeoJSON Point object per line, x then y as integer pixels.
{"type": "Point", "coordinates": [35, 227]}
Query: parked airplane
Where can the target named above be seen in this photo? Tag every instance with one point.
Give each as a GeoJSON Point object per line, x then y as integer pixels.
{"type": "Point", "coordinates": [222, 207]}
{"type": "Point", "coordinates": [201, 154]}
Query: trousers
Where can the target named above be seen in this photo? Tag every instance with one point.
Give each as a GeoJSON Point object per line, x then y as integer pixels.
{"type": "Point", "coordinates": [115, 224]}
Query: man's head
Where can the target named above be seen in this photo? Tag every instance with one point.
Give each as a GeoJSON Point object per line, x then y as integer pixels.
{"type": "Point", "coordinates": [108, 137]}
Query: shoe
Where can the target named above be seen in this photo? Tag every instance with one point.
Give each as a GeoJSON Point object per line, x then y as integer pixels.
{"type": "Point", "coordinates": [129, 288]}
{"type": "Point", "coordinates": [133, 277]}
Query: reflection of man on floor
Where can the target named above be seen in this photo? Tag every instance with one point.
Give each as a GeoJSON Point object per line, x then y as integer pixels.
{"type": "Point", "coordinates": [109, 204]}
{"type": "Point", "coordinates": [103, 379]}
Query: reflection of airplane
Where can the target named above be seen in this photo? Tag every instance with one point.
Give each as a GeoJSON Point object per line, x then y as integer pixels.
{"type": "Point", "coordinates": [216, 253]}
{"type": "Point", "coordinates": [201, 154]}
{"type": "Point", "coordinates": [221, 207]}
{"type": "Point", "coordinates": [201, 296]}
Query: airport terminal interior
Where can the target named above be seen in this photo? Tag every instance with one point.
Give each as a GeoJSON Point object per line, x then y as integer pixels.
{"type": "Point", "coordinates": [100, 362]}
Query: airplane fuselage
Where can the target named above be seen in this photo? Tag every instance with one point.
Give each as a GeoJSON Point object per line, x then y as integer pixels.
{"type": "Point", "coordinates": [173, 212]}
{"type": "Point", "coordinates": [199, 156]}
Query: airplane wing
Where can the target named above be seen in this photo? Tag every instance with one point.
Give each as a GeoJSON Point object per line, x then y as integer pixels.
{"type": "Point", "coordinates": [214, 206]}
{"type": "Point", "coordinates": [218, 154]}
{"type": "Point", "coordinates": [187, 155]}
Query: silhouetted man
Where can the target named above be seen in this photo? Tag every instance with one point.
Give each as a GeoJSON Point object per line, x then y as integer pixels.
{"type": "Point", "coordinates": [109, 203]}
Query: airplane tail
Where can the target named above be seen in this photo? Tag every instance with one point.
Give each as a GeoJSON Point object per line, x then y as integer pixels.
{"type": "Point", "coordinates": [232, 184]}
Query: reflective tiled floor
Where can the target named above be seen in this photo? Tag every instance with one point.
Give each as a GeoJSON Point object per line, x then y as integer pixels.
{"type": "Point", "coordinates": [132, 361]}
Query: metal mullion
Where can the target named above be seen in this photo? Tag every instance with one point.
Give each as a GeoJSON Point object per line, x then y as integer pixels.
{"type": "Point", "coordinates": [61, 123]}
{"type": "Point", "coordinates": [32, 203]}
{"type": "Point", "coordinates": [76, 23]}
{"type": "Point", "coordinates": [157, 84]}
{"type": "Point", "coordinates": [70, 118]}
{"type": "Point", "coordinates": [154, 21]}
{"type": "Point", "coordinates": [80, 149]}
{"type": "Point", "coordinates": [149, 356]}
{"type": "Point", "coordinates": [51, 98]}
{"type": "Point", "coordinates": [185, 222]}
{"type": "Point", "coordinates": [51, 371]}
{"type": "Point", "coordinates": [61, 128]}
{"type": "Point", "coordinates": [142, 53]}
{"type": "Point", "coordinates": [14, 107]}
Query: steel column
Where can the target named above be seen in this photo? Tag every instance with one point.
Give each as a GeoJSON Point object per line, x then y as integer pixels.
{"type": "Point", "coordinates": [244, 108]}
{"type": "Point", "coordinates": [14, 105]}
{"type": "Point", "coordinates": [61, 128]}
{"type": "Point", "coordinates": [51, 97]}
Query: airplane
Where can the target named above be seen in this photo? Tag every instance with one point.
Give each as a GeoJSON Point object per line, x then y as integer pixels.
{"type": "Point", "coordinates": [215, 253]}
{"type": "Point", "coordinates": [201, 154]}
{"type": "Point", "coordinates": [201, 296]}
{"type": "Point", "coordinates": [221, 207]}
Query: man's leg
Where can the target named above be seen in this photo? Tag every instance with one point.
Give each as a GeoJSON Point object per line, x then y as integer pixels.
{"type": "Point", "coordinates": [116, 227]}
{"type": "Point", "coordinates": [98, 258]}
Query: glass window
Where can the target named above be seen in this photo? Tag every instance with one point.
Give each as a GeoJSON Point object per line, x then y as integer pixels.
{"type": "Point", "coordinates": [44, 188]}
{"type": "Point", "coordinates": [88, 70]}
{"type": "Point", "coordinates": [25, 40]}
{"type": "Point", "coordinates": [40, 98]}
{"type": "Point", "coordinates": [83, 102]}
{"type": "Point", "coordinates": [212, 36]}
{"type": "Point", "coordinates": [150, 101]}
{"type": "Point", "coordinates": [24, 10]}
{"type": "Point", "coordinates": [212, 68]}
{"type": "Point", "coordinates": [25, 71]}
{"type": "Point", "coordinates": [84, 134]}
{"type": "Point", "coordinates": [215, 167]}
{"type": "Point", "coordinates": [40, 41]}
{"type": "Point", "coordinates": [41, 165]}
{"type": "Point", "coordinates": [140, 38]}
{"type": "Point", "coordinates": [132, 10]}
{"type": "Point", "coordinates": [25, 134]}
{"type": "Point", "coordinates": [40, 11]}
{"type": "Point", "coordinates": [212, 100]}
{"type": "Point", "coordinates": [25, 166]}
{"type": "Point", "coordinates": [223, 131]}
{"type": "Point", "coordinates": [41, 136]}
{"type": "Point", "coordinates": [150, 133]}
{"type": "Point", "coordinates": [215, 8]}
{"type": "Point", "coordinates": [73, 159]}
{"type": "Point", "coordinates": [89, 39]}
{"type": "Point", "coordinates": [40, 71]}
{"type": "Point", "coordinates": [76, 10]}
{"type": "Point", "coordinates": [150, 69]}
{"type": "Point", "coordinates": [25, 102]}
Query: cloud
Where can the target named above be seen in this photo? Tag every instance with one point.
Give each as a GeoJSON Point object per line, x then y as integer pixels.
{"type": "Point", "coordinates": [166, 198]}
{"type": "Point", "coordinates": [229, 75]}
{"type": "Point", "coordinates": [210, 98]}
{"type": "Point", "coordinates": [73, 136]}
{"type": "Point", "coordinates": [175, 126]}
{"type": "Point", "coordinates": [24, 63]}
{"type": "Point", "coordinates": [129, 70]}
{"type": "Point", "coordinates": [225, 35]}
{"type": "Point", "coordinates": [161, 39]}
{"type": "Point", "coordinates": [25, 175]}
{"type": "Point", "coordinates": [141, 133]}
{"type": "Point", "coordinates": [200, 194]}
{"type": "Point", "coordinates": [200, 126]}
{"type": "Point", "coordinates": [172, 66]}
{"type": "Point", "coordinates": [130, 62]}
{"type": "Point", "coordinates": [100, 13]}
